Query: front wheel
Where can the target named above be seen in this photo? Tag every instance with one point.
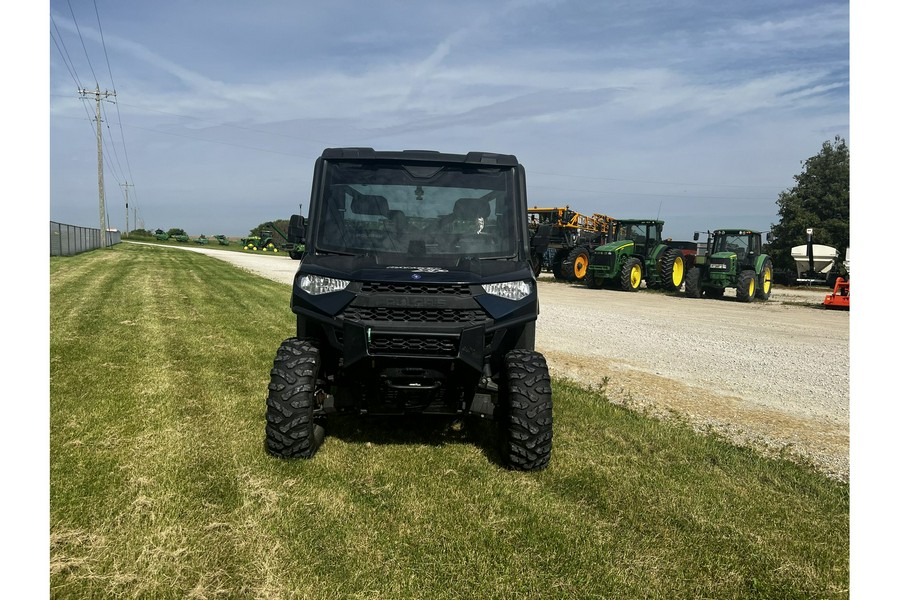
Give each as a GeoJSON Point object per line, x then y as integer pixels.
{"type": "Point", "coordinates": [692, 283]}
{"type": "Point", "coordinates": [291, 431]}
{"type": "Point", "coordinates": [632, 274]}
{"type": "Point", "coordinates": [592, 281]}
{"type": "Point", "coordinates": [764, 285]}
{"type": "Point", "coordinates": [526, 403]}
{"type": "Point", "coordinates": [746, 286]}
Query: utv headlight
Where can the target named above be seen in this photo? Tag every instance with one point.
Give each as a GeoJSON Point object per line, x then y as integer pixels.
{"type": "Point", "coordinates": [316, 285]}
{"type": "Point", "coordinates": [511, 290]}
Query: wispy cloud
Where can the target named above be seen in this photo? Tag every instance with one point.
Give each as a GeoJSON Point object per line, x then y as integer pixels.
{"type": "Point", "coordinates": [697, 91]}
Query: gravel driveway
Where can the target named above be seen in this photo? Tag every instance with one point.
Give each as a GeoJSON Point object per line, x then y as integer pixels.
{"type": "Point", "coordinates": [772, 375]}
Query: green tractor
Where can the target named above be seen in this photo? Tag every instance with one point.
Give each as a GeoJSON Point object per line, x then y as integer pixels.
{"type": "Point", "coordinates": [734, 259]}
{"type": "Point", "coordinates": [636, 252]}
{"type": "Point", "coordinates": [223, 241]}
{"type": "Point", "coordinates": [161, 235]}
{"type": "Point", "coordinates": [262, 242]}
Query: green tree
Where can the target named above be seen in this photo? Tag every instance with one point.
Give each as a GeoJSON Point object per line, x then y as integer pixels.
{"type": "Point", "coordinates": [820, 200]}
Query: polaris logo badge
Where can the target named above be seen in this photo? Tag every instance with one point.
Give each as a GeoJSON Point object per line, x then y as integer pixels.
{"type": "Point", "coordinates": [416, 276]}
{"type": "Point", "coordinates": [422, 269]}
{"type": "Point", "coordinates": [414, 302]}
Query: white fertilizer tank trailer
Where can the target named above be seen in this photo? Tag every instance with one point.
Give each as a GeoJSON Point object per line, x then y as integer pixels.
{"type": "Point", "coordinates": [814, 261]}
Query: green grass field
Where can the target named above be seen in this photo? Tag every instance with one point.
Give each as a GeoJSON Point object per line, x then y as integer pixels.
{"type": "Point", "coordinates": [160, 486]}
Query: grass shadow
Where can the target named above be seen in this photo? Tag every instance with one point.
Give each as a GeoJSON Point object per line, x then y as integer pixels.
{"type": "Point", "coordinates": [416, 429]}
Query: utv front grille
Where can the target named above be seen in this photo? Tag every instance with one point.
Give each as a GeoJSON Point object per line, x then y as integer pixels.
{"type": "Point", "coordinates": [415, 288]}
{"type": "Point", "coordinates": [419, 345]}
{"type": "Point", "coordinates": [413, 315]}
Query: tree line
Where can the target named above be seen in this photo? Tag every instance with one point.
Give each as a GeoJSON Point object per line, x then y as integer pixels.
{"type": "Point", "coordinates": [820, 200]}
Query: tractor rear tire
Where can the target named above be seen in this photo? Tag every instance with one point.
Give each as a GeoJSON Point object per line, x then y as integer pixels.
{"type": "Point", "coordinates": [559, 258]}
{"type": "Point", "coordinates": [631, 276]}
{"type": "Point", "coordinates": [764, 285]}
{"type": "Point", "coordinates": [526, 408]}
{"type": "Point", "coordinates": [291, 431]}
{"type": "Point", "coordinates": [576, 263]}
{"type": "Point", "coordinates": [692, 287]}
{"type": "Point", "coordinates": [672, 269]}
{"type": "Point", "coordinates": [746, 286]}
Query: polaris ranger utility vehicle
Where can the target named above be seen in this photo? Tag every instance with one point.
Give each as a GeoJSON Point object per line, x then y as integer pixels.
{"type": "Point", "coordinates": [734, 259]}
{"type": "Point", "coordinates": [636, 252]}
{"type": "Point", "coordinates": [415, 296]}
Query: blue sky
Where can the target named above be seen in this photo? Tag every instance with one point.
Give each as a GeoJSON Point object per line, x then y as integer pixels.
{"type": "Point", "coordinates": [701, 112]}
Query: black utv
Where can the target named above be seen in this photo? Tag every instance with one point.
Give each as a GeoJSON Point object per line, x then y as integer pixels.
{"type": "Point", "coordinates": [415, 296]}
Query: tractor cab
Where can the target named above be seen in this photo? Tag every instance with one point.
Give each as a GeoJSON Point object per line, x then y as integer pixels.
{"type": "Point", "coordinates": [644, 234]}
{"type": "Point", "coordinates": [745, 245]}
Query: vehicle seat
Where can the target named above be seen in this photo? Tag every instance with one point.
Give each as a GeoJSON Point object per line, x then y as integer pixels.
{"type": "Point", "coordinates": [395, 226]}
{"type": "Point", "coordinates": [469, 215]}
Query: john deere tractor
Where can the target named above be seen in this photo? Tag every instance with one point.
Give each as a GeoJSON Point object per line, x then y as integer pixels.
{"type": "Point", "coordinates": [635, 253]}
{"type": "Point", "coordinates": [734, 259]}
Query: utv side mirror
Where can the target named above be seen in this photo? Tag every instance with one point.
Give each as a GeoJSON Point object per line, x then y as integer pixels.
{"type": "Point", "coordinates": [297, 230]}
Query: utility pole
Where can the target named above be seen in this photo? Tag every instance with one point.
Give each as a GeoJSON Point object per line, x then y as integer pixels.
{"type": "Point", "coordinates": [127, 185]}
{"type": "Point", "coordinates": [97, 95]}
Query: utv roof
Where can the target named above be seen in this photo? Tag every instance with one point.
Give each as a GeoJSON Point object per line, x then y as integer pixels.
{"type": "Point", "coordinates": [474, 158]}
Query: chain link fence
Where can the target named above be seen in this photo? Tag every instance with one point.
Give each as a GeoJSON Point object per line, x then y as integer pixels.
{"type": "Point", "coordinates": [68, 240]}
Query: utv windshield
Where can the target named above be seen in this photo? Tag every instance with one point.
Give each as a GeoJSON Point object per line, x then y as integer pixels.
{"type": "Point", "coordinates": [448, 211]}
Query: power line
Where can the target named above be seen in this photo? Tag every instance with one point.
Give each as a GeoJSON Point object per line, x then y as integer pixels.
{"type": "Point", "coordinates": [70, 66]}
{"type": "Point", "coordinates": [74, 20]}
{"type": "Point", "coordinates": [230, 125]}
{"type": "Point", "coordinates": [715, 185]}
{"type": "Point", "coordinates": [113, 82]}
{"type": "Point", "coordinates": [596, 192]}
{"type": "Point", "coordinates": [192, 137]}
{"type": "Point", "coordinates": [67, 60]}
{"type": "Point", "coordinates": [103, 43]}
{"type": "Point", "coordinates": [113, 144]}
{"type": "Point", "coordinates": [64, 53]}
